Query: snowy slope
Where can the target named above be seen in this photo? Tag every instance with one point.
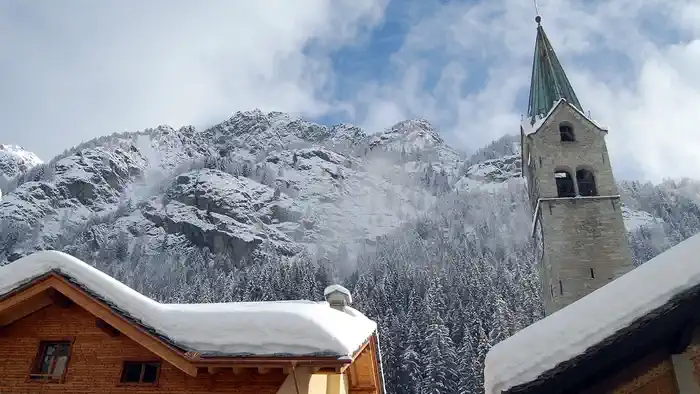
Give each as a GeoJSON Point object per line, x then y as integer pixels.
{"type": "Point", "coordinates": [257, 183]}
{"type": "Point", "coordinates": [635, 219]}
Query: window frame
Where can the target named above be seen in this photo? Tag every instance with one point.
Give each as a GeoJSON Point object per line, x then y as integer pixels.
{"type": "Point", "coordinates": [35, 367]}
{"type": "Point", "coordinates": [571, 133]}
{"type": "Point", "coordinates": [143, 362]}
{"type": "Point", "coordinates": [568, 178]}
{"type": "Point", "coordinates": [592, 183]}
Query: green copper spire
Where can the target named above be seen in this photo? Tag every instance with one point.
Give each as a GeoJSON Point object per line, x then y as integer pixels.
{"type": "Point", "coordinates": [549, 82]}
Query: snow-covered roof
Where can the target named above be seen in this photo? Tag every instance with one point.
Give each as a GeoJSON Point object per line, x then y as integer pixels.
{"type": "Point", "coordinates": [532, 128]}
{"type": "Point", "coordinates": [280, 328]}
{"type": "Point", "coordinates": [339, 289]}
{"type": "Point", "coordinates": [571, 331]}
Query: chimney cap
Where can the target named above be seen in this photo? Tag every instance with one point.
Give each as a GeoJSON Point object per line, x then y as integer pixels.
{"type": "Point", "coordinates": [332, 290]}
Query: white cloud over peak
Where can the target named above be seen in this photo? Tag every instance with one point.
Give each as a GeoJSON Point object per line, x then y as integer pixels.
{"type": "Point", "coordinates": [633, 65]}
{"type": "Point", "coordinates": [76, 69]}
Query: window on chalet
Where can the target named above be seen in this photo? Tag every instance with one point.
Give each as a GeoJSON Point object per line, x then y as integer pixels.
{"type": "Point", "coordinates": [140, 372]}
{"type": "Point", "coordinates": [51, 363]}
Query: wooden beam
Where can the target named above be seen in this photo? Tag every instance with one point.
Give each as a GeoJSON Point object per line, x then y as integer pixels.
{"type": "Point", "coordinates": [215, 370]}
{"type": "Point", "coordinates": [328, 371]}
{"type": "Point", "coordinates": [353, 378]}
{"type": "Point", "coordinates": [363, 389]}
{"type": "Point", "coordinates": [139, 335]}
{"type": "Point", "coordinates": [375, 361]}
{"type": "Point", "coordinates": [106, 327]}
{"type": "Point", "coordinates": [273, 362]}
{"type": "Point", "coordinates": [59, 299]}
{"type": "Point", "coordinates": [263, 370]}
{"type": "Point", "coordinates": [20, 297]}
{"type": "Point", "coordinates": [31, 305]}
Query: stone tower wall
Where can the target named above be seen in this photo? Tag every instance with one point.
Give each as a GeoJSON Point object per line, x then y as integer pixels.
{"type": "Point", "coordinates": [583, 240]}
{"type": "Point", "coordinates": [584, 247]}
{"type": "Point", "coordinates": [549, 154]}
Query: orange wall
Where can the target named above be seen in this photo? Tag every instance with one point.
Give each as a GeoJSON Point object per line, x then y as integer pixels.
{"type": "Point", "coordinates": [96, 359]}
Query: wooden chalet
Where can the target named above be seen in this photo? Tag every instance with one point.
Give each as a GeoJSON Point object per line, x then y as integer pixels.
{"type": "Point", "coordinates": [638, 334]}
{"type": "Point", "coordinates": [66, 327]}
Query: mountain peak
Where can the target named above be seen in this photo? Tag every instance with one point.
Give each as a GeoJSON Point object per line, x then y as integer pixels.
{"type": "Point", "coordinates": [14, 159]}
{"type": "Point", "coordinates": [409, 135]}
{"type": "Point", "coordinates": [416, 130]}
{"type": "Point", "coordinates": [413, 124]}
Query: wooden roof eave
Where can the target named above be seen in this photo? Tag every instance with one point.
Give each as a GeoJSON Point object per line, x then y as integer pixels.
{"type": "Point", "coordinates": [100, 310]}
{"type": "Point", "coordinates": [665, 328]}
{"type": "Point", "coordinates": [341, 364]}
{"type": "Point", "coordinates": [188, 362]}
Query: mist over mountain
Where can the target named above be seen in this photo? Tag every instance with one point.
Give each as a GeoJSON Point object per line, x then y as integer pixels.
{"type": "Point", "coordinates": [433, 243]}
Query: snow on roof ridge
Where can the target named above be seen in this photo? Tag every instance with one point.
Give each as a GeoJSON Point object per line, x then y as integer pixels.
{"type": "Point", "coordinates": [569, 332]}
{"type": "Point", "coordinates": [261, 328]}
{"type": "Point", "coordinates": [532, 128]}
{"type": "Point", "coordinates": [336, 287]}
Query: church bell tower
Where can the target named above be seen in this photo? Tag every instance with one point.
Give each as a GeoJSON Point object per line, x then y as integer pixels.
{"type": "Point", "coordinates": [577, 223]}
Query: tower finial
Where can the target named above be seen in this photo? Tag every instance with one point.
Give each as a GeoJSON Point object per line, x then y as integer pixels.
{"type": "Point", "coordinates": [538, 18]}
{"type": "Point", "coordinates": [548, 82]}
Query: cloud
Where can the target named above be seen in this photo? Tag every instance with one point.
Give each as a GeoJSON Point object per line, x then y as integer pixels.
{"type": "Point", "coordinates": [77, 69]}
{"type": "Point", "coordinates": [633, 65]}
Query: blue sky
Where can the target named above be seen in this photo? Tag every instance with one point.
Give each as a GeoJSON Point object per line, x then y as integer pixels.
{"type": "Point", "coordinates": [77, 69]}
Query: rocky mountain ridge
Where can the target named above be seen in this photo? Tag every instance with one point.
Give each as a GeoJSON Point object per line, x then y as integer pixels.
{"type": "Point", "coordinates": [255, 182]}
{"type": "Point", "coordinates": [15, 160]}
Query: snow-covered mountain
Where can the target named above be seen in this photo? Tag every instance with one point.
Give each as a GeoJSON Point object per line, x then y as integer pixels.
{"type": "Point", "coordinates": [257, 182]}
{"type": "Point", "coordinates": [15, 159]}
{"type": "Point", "coordinates": [433, 243]}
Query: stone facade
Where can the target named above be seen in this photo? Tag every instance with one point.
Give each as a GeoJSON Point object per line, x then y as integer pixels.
{"type": "Point", "coordinates": [583, 239]}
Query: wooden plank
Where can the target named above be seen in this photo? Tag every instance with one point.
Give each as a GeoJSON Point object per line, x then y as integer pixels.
{"type": "Point", "coordinates": [375, 362]}
{"type": "Point", "coordinates": [19, 297]}
{"type": "Point", "coordinates": [273, 361]}
{"type": "Point", "coordinates": [19, 311]}
{"type": "Point", "coordinates": [106, 328]}
{"type": "Point", "coordinates": [59, 299]}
